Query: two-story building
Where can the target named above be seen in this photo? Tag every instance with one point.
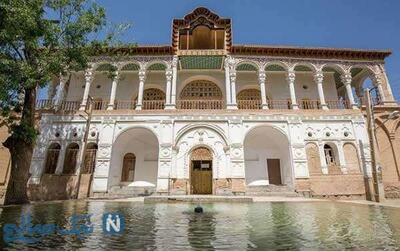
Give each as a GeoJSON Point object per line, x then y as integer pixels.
{"type": "Point", "coordinates": [207, 116]}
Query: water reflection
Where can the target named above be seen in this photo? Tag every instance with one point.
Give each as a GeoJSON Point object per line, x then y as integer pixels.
{"type": "Point", "coordinates": [272, 226]}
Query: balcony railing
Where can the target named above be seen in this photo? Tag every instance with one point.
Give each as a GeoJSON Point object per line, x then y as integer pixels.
{"type": "Point", "coordinates": [338, 104]}
{"type": "Point", "coordinates": [203, 104]}
{"type": "Point", "coordinates": [279, 104]}
{"type": "Point", "coordinates": [309, 104]}
{"type": "Point", "coordinates": [200, 104]}
{"type": "Point", "coordinates": [153, 104]}
{"type": "Point", "coordinates": [249, 104]}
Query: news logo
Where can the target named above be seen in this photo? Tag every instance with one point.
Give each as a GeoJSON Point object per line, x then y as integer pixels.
{"type": "Point", "coordinates": [113, 223]}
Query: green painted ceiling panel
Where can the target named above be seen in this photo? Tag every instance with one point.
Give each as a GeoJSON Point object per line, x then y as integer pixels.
{"type": "Point", "coordinates": [201, 62]}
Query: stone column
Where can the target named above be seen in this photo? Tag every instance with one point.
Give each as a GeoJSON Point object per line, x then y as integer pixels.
{"type": "Point", "coordinates": [319, 78]}
{"type": "Point", "coordinates": [290, 77]}
{"type": "Point", "coordinates": [142, 78]}
{"type": "Point", "coordinates": [346, 80]}
{"type": "Point", "coordinates": [261, 80]}
{"type": "Point", "coordinates": [168, 76]}
{"type": "Point", "coordinates": [227, 84]}
{"type": "Point", "coordinates": [88, 78]}
{"type": "Point", "coordinates": [113, 91]}
{"type": "Point", "coordinates": [60, 96]}
{"type": "Point", "coordinates": [232, 78]}
{"type": "Point", "coordinates": [378, 84]}
{"type": "Point", "coordinates": [174, 80]}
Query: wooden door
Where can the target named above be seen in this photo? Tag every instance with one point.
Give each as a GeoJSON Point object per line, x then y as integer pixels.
{"type": "Point", "coordinates": [201, 177]}
{"type": "Point", "coordinates": [274, 171]}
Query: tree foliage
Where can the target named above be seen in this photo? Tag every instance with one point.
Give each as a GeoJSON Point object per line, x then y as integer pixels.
{"type": "Point", "coordinates": [39, 40]}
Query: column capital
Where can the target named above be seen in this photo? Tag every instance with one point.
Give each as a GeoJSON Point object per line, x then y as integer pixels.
{"type": "Point", "coordinates": [261, 76]}
{"type": "Point", "coordinates": [116, 75]}
{"type": "Point", "coordinates": [142, 75]}
{"type": "Point", "coordinates": [319, 76]}
{"type": "Point", "coordinates": [346, 78]}
{"type": "Point", "coordinates": [89, 75]}
{"type": "Point", "coordinates": [290, 76]}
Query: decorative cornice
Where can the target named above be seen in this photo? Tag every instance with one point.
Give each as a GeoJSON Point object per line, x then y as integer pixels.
{"type": "Point", "coordinates": [299, 52]}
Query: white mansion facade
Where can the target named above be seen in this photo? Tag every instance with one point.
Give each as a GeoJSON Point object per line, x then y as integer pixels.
{"type": "Point", "coordinates": [205, 116]}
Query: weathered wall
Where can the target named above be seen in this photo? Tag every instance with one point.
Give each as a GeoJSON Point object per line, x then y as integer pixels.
{"type": "Point", "coordinates": [53, 187]}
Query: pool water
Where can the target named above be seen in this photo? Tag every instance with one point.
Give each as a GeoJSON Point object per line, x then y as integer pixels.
{"type": "Point", "coordinates": [228, 226]}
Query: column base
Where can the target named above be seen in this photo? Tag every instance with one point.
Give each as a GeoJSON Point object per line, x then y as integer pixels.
{"type": "Point", "coordinates": [231, 107]}
{"type": "Point", "coordinates": [354, 107]}
{"type": "Point", "coordinates": [110, 107]}
{"type": "Point", "coordinates": [264, 107]}
{"type": "Point", "coordinates": [82, 107]}
{"type": "Point", "coordinates": [324, 107]}
{"type": "Point", "coordinates": [169, 107]}
{"type": "Point", "coordinates": [294, 106]}
{"type": "Point", "coordinates": [138, 107]}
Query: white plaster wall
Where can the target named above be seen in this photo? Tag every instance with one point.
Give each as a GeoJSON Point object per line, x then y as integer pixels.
{"type": "Point", "coordinates": [144, 145]}
{"type": "Point", "coordinates": [223, 134]}
{"type": "Point", "coordinates": [264, 143]}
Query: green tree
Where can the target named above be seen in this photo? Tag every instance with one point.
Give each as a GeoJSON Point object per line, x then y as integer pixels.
{"type": "Point", "coordinates": [39, 39]}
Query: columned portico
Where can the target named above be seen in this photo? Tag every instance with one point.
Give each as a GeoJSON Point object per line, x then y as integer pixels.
{"type": "Point", "coordinates": [168, 86]}
{"type": "Point", "coordinates": [290, 77]}
{"type": "Point", "coordinates": [346, 79]}
{"type": "Point", "coordinates": [232, 78]}
{"type": "Point", "coordinates": [88, 81]}
{"type": "Point", "coordinates": [114, 85]}
{"type": "Point", "coordinates": [142, 79]}
{"type": "Point", "coordinates": [319, 77]}
{"type": "Point", "coordinates": [261, 79]}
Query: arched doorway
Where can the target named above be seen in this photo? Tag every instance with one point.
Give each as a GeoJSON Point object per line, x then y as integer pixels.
{"type": "Point", "coordinates": [134, 160]}
{"type": "Point", "coordinates": [267, 157]}
{"type": "Point", "coordinates": [201, 171]}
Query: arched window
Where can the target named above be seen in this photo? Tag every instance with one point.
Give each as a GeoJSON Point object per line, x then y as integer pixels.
{"type": "Point", "coordinates": [330, 157]}
{"type": "Point", "coordinates": [200, 89]}
{"type": "Point", "coordinates": [90, 158]}
{"type": "Point", "coordinates": [71, 156]}
{"type": "Point", "coordinates": [201, 94]}
{"type": "Point", "coordinates": [128, 168]}
{"type": "Point", "coordinates": [153, 99]}
{"type": "Point", "coordinates": [249, 99]}
{"type": "Point", "coordinates": [53, 153]}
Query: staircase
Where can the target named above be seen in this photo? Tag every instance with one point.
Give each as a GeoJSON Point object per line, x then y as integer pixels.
{"type": "Point", "coordinates": [271, 190]}
{"type": "Point", "coordinates": [130, 191]}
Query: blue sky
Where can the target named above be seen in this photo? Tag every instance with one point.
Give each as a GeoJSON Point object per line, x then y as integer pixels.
{"type": "Point", "coordinates": [366, 24]}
